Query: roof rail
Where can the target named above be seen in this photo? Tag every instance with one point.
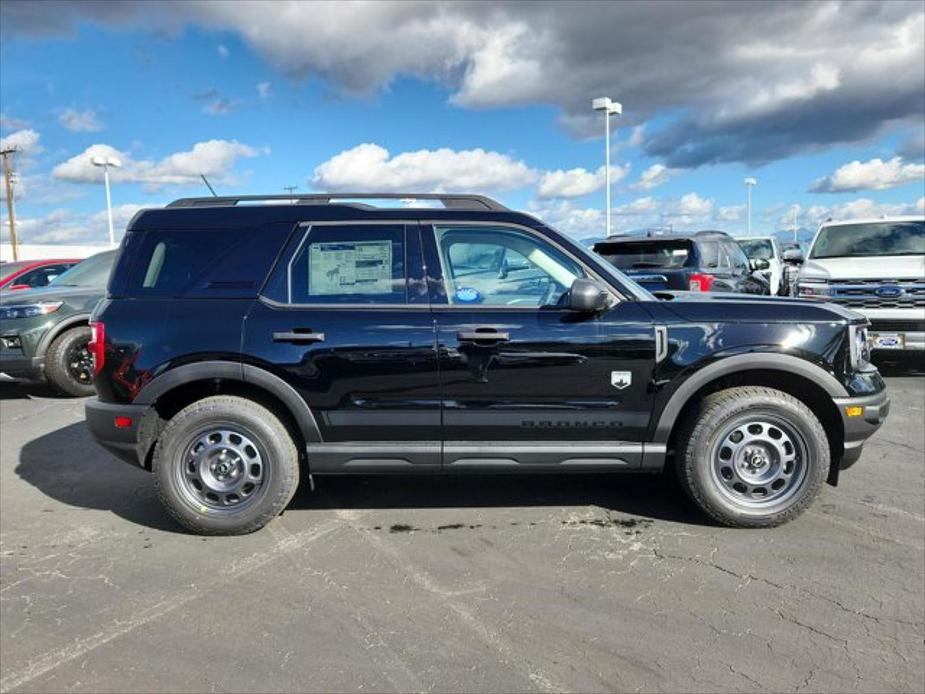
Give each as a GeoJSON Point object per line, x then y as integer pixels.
{"type": "Point", "coordinates": [451, 201]}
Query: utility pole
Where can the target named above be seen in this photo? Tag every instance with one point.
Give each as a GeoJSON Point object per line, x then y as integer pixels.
{"type": "Point", "coordinates": [8, 182]}
{"type": "Point", "coordinates": [289, 189]}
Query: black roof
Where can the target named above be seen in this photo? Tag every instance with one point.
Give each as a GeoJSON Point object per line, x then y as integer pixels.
{"type": "Point", "coordinates": [255, 210]}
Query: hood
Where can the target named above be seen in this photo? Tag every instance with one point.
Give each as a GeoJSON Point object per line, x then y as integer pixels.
{"type": "Point", "coordinates": [71, 295]}
{"type": "Point", "coordinates": [726, 307]}
{"type": "Point", "coordinates": [892, 267]}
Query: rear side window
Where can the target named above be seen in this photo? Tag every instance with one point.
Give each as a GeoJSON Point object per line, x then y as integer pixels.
{"type": "Point", "coordinates": [205, 263]}
{"type": "Point", "coordinates": [345, 264]}
{"type": "Point", "coordinates": [709, 253]}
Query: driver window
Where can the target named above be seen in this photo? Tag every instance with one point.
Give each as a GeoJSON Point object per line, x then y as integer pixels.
{"type": "Point", "coordinates": [487, 266]}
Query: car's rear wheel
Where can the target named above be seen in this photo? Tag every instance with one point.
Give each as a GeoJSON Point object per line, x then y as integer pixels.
{"type": "Point", "coordinates": [752, 456]}
{"type": "Point", "coordinates": [225, 465]}
{"type": "Point", "coordinates": [68, 364]}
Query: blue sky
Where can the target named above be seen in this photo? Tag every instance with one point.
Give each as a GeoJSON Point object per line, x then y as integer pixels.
{"type": "Point", "coordinates": [500, 107]}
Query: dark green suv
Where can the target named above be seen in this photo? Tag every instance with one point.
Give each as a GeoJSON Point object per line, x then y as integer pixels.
{"type": "Point", "coordinates": [44, 332]}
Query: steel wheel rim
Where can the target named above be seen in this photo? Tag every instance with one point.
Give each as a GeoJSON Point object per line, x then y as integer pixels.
{"type": "Point", "coordinates": [79, 363]}
{"type": "Point", "coordinates": [759, 461]}
{"type": "Point", "coordinates": [222, 469]}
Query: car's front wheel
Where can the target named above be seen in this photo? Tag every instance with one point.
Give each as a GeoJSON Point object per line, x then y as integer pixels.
{"type": "Point", "coordinates": [68, 364]}
{"type": "Point", "coordinates": [752, 456]}
{"type": "Point", "coordinates": [225, 465]}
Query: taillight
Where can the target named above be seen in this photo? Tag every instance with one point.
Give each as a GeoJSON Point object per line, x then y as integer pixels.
{"type": "Point", "coordinates": [97, 345]}
{"type": "Point", "coordinates": [700, 283]}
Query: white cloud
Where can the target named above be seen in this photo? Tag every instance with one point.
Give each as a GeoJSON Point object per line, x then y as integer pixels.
{"type": "Point", "coordinates": [8, 122]}
{"type": "Point", "coordinates": [639, 206]}
{"type": "Point", "coordinates": [85, 121]}
{"type": "Point", "coordinates": [579, 222]}
{"type": "Point", "coordinates": [693, 205]}
{"type": "Point", "coordinates": [223, 50]}
{"type": "Point", "coordinates": [264, 91]}
{"type": "Point", "coordinates": [66, 226]}
{"type": "Point", "coordinates": [732, 213]}
{"type": "Point", "coordinates": [652, 177]}
{"type": "Point", "coordinates": [860, 208]}
{"type": "Point", "coordinates": [213, 158]}
{"type": "Point", "coordinates": [370, 167]}
{"type": "Point", "coordinates": [774, 88]}
{"type": "Point", "coordinates": [574, 183]}
{"type": "Point", "coordinates": [25, 141]}
{"type": "Point", "coordinates": [875, 174]}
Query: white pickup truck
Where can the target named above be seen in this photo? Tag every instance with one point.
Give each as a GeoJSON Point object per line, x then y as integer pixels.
{"type": "Point", "coordinates": [876, 267]}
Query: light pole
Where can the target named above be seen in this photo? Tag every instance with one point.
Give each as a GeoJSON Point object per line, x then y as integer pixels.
{"type": "Point", "coordinates": [609, 108]}
{"type": "Point", "coordinates": [749, 184]}
{"type": "Point", "coordinates": [106, 162]}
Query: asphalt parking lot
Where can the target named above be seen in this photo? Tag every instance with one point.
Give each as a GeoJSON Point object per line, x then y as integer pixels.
{"type": "Point", "coordinates": [585, 583]}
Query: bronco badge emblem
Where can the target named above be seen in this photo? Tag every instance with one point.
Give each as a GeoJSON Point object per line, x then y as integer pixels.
{"type": "Point", "coordinates": [621, 379]}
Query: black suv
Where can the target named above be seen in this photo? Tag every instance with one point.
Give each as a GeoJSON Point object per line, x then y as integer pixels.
{"type": "Point", "coordinates": [243, 345]}
{"type": "Point", "coordinates": [706, 261]}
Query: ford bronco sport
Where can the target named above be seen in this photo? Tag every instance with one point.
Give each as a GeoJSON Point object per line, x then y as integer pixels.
{"type": "Point", "coordinates": [244, 344]}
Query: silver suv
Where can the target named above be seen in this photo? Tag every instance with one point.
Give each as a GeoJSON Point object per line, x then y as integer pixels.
{"type": "Point", "coordinates": [876, 267]}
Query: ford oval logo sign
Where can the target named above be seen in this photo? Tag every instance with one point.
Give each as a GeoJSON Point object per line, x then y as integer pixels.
{"type": "Point", "coordinates": [889, 292]}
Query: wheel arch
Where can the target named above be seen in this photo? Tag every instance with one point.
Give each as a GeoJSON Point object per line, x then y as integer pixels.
{"type": "Point", "coordinates": [803, 380]}
{"type": "Point", "coordinates": [170, 392]}
{"type": "Point", "coordinates": [59, 329]}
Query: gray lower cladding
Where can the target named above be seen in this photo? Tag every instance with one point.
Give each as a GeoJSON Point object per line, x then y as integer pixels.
{"type": "Point", "coordinates": [525, 456]}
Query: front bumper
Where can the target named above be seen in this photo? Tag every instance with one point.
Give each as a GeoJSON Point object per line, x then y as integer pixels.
{"type": "Point", "coordinates": [123, 442]}
{"type": "Point", "coordinates": [16, 364]}
{"type": "Point", "coordinates": [858, 428]}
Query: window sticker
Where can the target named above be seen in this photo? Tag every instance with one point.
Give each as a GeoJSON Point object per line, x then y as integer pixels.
{"type": "Point", "coordinates": [468, 295]}
{"type": "Point", "coordinates": [356, 267]}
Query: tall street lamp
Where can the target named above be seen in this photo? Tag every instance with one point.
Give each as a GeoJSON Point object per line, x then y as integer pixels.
{"type": "Point", "coordinates": [609, 108]}
{"type": "Point", "coordinates": [106, 162]}
{"type": "Point", "coordinates": [749, 184]}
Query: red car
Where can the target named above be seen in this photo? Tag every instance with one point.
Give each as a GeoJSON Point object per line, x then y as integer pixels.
{"type": "Point", "coordinates": [28, 274]}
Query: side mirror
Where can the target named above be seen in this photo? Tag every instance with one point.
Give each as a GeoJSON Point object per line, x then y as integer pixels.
{"type": "Point", "coordinates": [793, 255]}
{"type": "Point", "coordinates": [587, 296]}
{"type": "Point", "coordinates": [759, 264]}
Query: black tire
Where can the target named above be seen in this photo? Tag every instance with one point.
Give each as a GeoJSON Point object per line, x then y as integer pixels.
{"type": "Point", "coordinates": [68, 365]}
{"type": "Point", "coordinates": [175, 459]}
{"type": "Point", "coordinates": [709, 479]}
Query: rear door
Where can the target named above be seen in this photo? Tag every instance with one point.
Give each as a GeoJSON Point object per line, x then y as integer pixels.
{"type": "Point", "coordinates": [527, 383]}
{"type": "Point", "coordinates": [345, 320]}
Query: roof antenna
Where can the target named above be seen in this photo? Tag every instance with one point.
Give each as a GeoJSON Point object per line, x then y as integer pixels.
{"type": "Point", "coordinates": [206, 181]}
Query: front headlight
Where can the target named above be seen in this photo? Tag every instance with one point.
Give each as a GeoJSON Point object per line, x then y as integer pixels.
{"type": "Point", "coordinates": [812, 289]}
{"type": "Point", "coordinates": [41, 308]}
{"type": "Point", "coordinates": [860, 346]}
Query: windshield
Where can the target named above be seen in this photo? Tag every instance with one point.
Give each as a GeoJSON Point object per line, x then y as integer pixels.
{"type": "Point", "coordinates": [873, 239]}
{"type": "Point", "coordinates": [757, 248]}
{"type": "Point", "coordinates": [646, 254]}
{"type": "Point", "coordinates": [92, 272]}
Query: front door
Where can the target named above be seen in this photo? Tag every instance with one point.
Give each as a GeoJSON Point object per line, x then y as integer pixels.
{"type": "Point", "coordinates": [345, 321]}
{"type": "Point", "coordinates": [526, 382]}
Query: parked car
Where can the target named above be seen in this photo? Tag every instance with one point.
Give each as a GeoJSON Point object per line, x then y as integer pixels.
{"type": "Point", "coordinates": [30, 274]}
{"type": "Point", "coordinates": [875, 267]}
{"type": "Point", "coordinates": [243, 345]}
{"type": "Point", "coordinates": [707, 261]}
{"type": "Point", "coordinates": [766, 248]}
{"type": "Point", "coordinates": [44, 332]}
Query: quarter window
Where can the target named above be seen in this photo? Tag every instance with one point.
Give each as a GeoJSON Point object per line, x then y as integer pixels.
{"type": "Point", "coordinates": [502, 267]}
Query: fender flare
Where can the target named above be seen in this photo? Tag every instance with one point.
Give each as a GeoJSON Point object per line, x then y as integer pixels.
{"type": "Point", "coordinates": [57, 329]}
{"type": "Point", "coordinates": [235, 371]}
{"type": "Point", "coordinates": [742, 362]}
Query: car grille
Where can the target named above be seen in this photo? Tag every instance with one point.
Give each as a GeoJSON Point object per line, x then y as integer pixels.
{"type": "Point", "coordinates": [897, 326]}
{"type": "Point", "coordinates": [893, 293]}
